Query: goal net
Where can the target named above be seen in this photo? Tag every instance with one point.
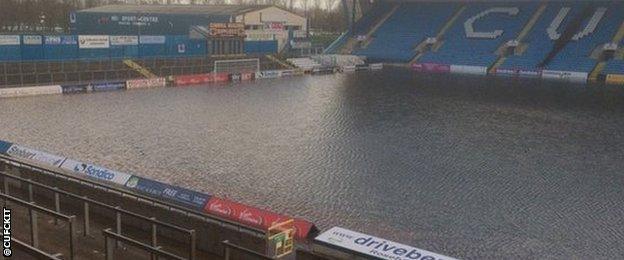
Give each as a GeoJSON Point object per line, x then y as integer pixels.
{"type": "Point", "coordinates": [237, 66]}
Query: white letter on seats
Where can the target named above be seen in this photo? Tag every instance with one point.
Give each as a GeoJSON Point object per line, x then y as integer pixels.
{"type": "Point", "coordinates": [469, 24]}
{"type": "Point", "coordinates": [589, 28]}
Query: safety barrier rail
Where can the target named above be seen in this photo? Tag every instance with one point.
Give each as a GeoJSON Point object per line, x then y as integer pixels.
{"type": "Point", "coordinates": [35, 252]}
{"type": "Point", "coordinates": [34, 230]}
{"type": "Point", "coordinates": [138, 197]}
{"type": "Point", "coordinates": [111, 238]}
{"type": "Point", "coordinates": [228, 247]}
{"type": "Point", "coordinates": [87, 202]}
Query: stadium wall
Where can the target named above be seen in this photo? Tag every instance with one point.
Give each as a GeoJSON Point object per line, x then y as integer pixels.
{"type": "Point", "coordinates": [151, 24]}
{"type": "Point", "coordinates": [72, 47]}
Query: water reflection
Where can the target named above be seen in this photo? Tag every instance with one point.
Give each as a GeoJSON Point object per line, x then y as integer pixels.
{"type": "Point", "coordinates": [471, 167]}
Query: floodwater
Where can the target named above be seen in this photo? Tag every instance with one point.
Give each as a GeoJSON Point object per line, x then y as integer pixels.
{"type": "Point", "coordinates": [475, 168]}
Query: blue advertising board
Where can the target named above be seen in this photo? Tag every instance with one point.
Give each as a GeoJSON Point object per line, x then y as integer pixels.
{"type": "Point", "coordinates": [60, 47]}
{"type": "Point", "coordinates": [4, 147]}
{"type": "Point", "coordinates": [168, 192]}
{"type": "Point", "coordinates": [109, 86]}
{"type": "Point", "coordinates": [76, 88]}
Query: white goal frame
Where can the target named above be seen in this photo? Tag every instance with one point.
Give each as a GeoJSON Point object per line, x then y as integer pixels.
{"type": "Point", "coordinates": [237, 66]}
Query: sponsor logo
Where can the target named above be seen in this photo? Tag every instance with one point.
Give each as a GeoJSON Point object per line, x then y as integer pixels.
{"type": "Point", "coordinates": [93, 42]}
{"type": "Point", "coordinates": [248, 217]}
{"type": "Point", "coordinates": [9, 40]}
{"type": "Point", "coordinates": [22, 153]}
{"type": "Point", "coordinates": [374, 246]}
{"type": "Point", "coordinates": [32, 39]}
{"type": "Point", "coordinates": [146, 83]}
{"type": "Point", "coordinates": [132, 182]}
{"type": "Point", "coordinates": [97, 172]}
{"type": "Point", "coordinates": [235, 77]}
{"type": "Point", "coordinates": [109, 86]}
{"type": "Point", "coordinates": [269, 74]}
{"type": "Point", "coordinates": [34, 155]}
{"type": "Point", "coordinates": [69, 89]}
{"type": "Point", "coordinates": [220, 209]}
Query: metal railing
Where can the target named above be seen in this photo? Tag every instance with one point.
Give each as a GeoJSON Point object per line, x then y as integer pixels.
{"type": "Point", "coordinates": [35, 252]}
{"type": "Point", "coordinates": [34, 226]}
{"type": "Point", "coordinates": [119, 212]}
{"type": "Point", "coordinates": [112, 238]}
{"type": "Point", "coordinates": [28, 73]}
{"type": "Point", "coordinates": [229, 247]}
{"type": "Point", "coordinates": [138, 197]}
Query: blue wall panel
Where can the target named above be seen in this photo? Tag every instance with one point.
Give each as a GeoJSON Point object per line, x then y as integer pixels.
{"type": "Point", "coordinates": [112, 23]}
{"type": "Point", "coordinates": [32, 47]}
{"type": "Point", "coordinates": [124, 51]}
{"type": "Point", "coordinates": [93, 53]}
{"type": "Point", "coordinates": [10, 52]}
{"type": "Point", "coordinates": [65, 47]}
{"type": "Point", "coordinates": [152, 50]}
{"type": "Point", "coordinates": [260, 46]}
{"type": "Point", "coordinates": [60, 47]}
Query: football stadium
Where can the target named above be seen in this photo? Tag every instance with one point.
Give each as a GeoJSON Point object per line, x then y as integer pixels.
{"type": "Point", "coordinates": [422, 129]}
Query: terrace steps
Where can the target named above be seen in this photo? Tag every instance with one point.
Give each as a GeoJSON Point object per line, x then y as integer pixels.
{"type": "Point", "coordinates": [140, 69]}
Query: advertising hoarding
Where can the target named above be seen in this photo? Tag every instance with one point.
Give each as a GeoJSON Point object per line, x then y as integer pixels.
{"type": "Point", "coordinates": [374, 247]}
{"type": "Point", "coordinates": [93, 41]}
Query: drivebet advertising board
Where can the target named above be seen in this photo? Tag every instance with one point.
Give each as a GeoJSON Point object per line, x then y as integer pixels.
{"type": "Point", "coordinates": [375, 247]}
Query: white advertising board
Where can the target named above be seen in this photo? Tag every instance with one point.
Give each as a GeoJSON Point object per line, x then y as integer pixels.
{"type": "Point", "coordinates": [96, 172]}
{"type": "Point", "coordinates": [463, 69]}
{"type": "Point", "coordinates": [374, 246]}
{"type": "Point", "coordinates": [33, 39]}
{"type": "Point", "coordinates": [146, 83]}
{"type": "Point", "coordinates": [152, 39]}
{"type": "Point", "coordinates": [569, 76]}
{"type": "Point", "coordinates": [93, 41]}
{"type": "Point", "coordinates": [26, 153]}
{"type": "Point", "coordinates": [124, 40]}
{"type": "Point", "coordinates": [30, 91]}
{"type": "Point", "coordinates": [9, 40]}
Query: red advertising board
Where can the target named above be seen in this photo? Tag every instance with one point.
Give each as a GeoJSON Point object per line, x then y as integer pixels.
{"type": "Point", "coordinates": [247, 76]}
{"type": "Point", "coordinates": [304, 228]}
{"type": "Point", "coordinates": [185, 80]}
{"type": "Point", "coordinates": [243, 214]}
{"type": "Point", "coordinates": [431, 67]}
{"type": "Point", "coordinates": [254, 217]}
{"type": "Point", "coordinates": [221, 77]}
{"type": "Point", "coordinates": [193, 79]}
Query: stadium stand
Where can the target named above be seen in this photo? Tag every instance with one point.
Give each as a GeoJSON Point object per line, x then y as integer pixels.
{"type": "Point", "coordinates": [411, 24]}
{"type": "Point", "coordinates": [576, 55]}
{"type": "Point", "coordinates": [36, 73]}
{"type": "Point", "coordinates": [503, 22]}
{"type": "Point", "coordinates": [537, 42]}
{"type": "Point", "coordinates": [525, 35]}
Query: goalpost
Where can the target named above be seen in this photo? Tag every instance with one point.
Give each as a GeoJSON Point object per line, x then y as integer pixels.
{"type": "Point", "coordinates": [237, 66]}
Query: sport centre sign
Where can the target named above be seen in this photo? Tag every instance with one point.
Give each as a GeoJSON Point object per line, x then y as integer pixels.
{"type": "Point", "coordinates": [375, 247]}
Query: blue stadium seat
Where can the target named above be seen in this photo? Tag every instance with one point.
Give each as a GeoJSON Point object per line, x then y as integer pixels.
{"type": "Point", "coordinates": [614, 67]}
{"type": "Point", "coordinates": [575, 56]}
{"type": "Point", "coordinates": [461, 50]}
{"type": "Point", "coordinates": [396, 39]}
